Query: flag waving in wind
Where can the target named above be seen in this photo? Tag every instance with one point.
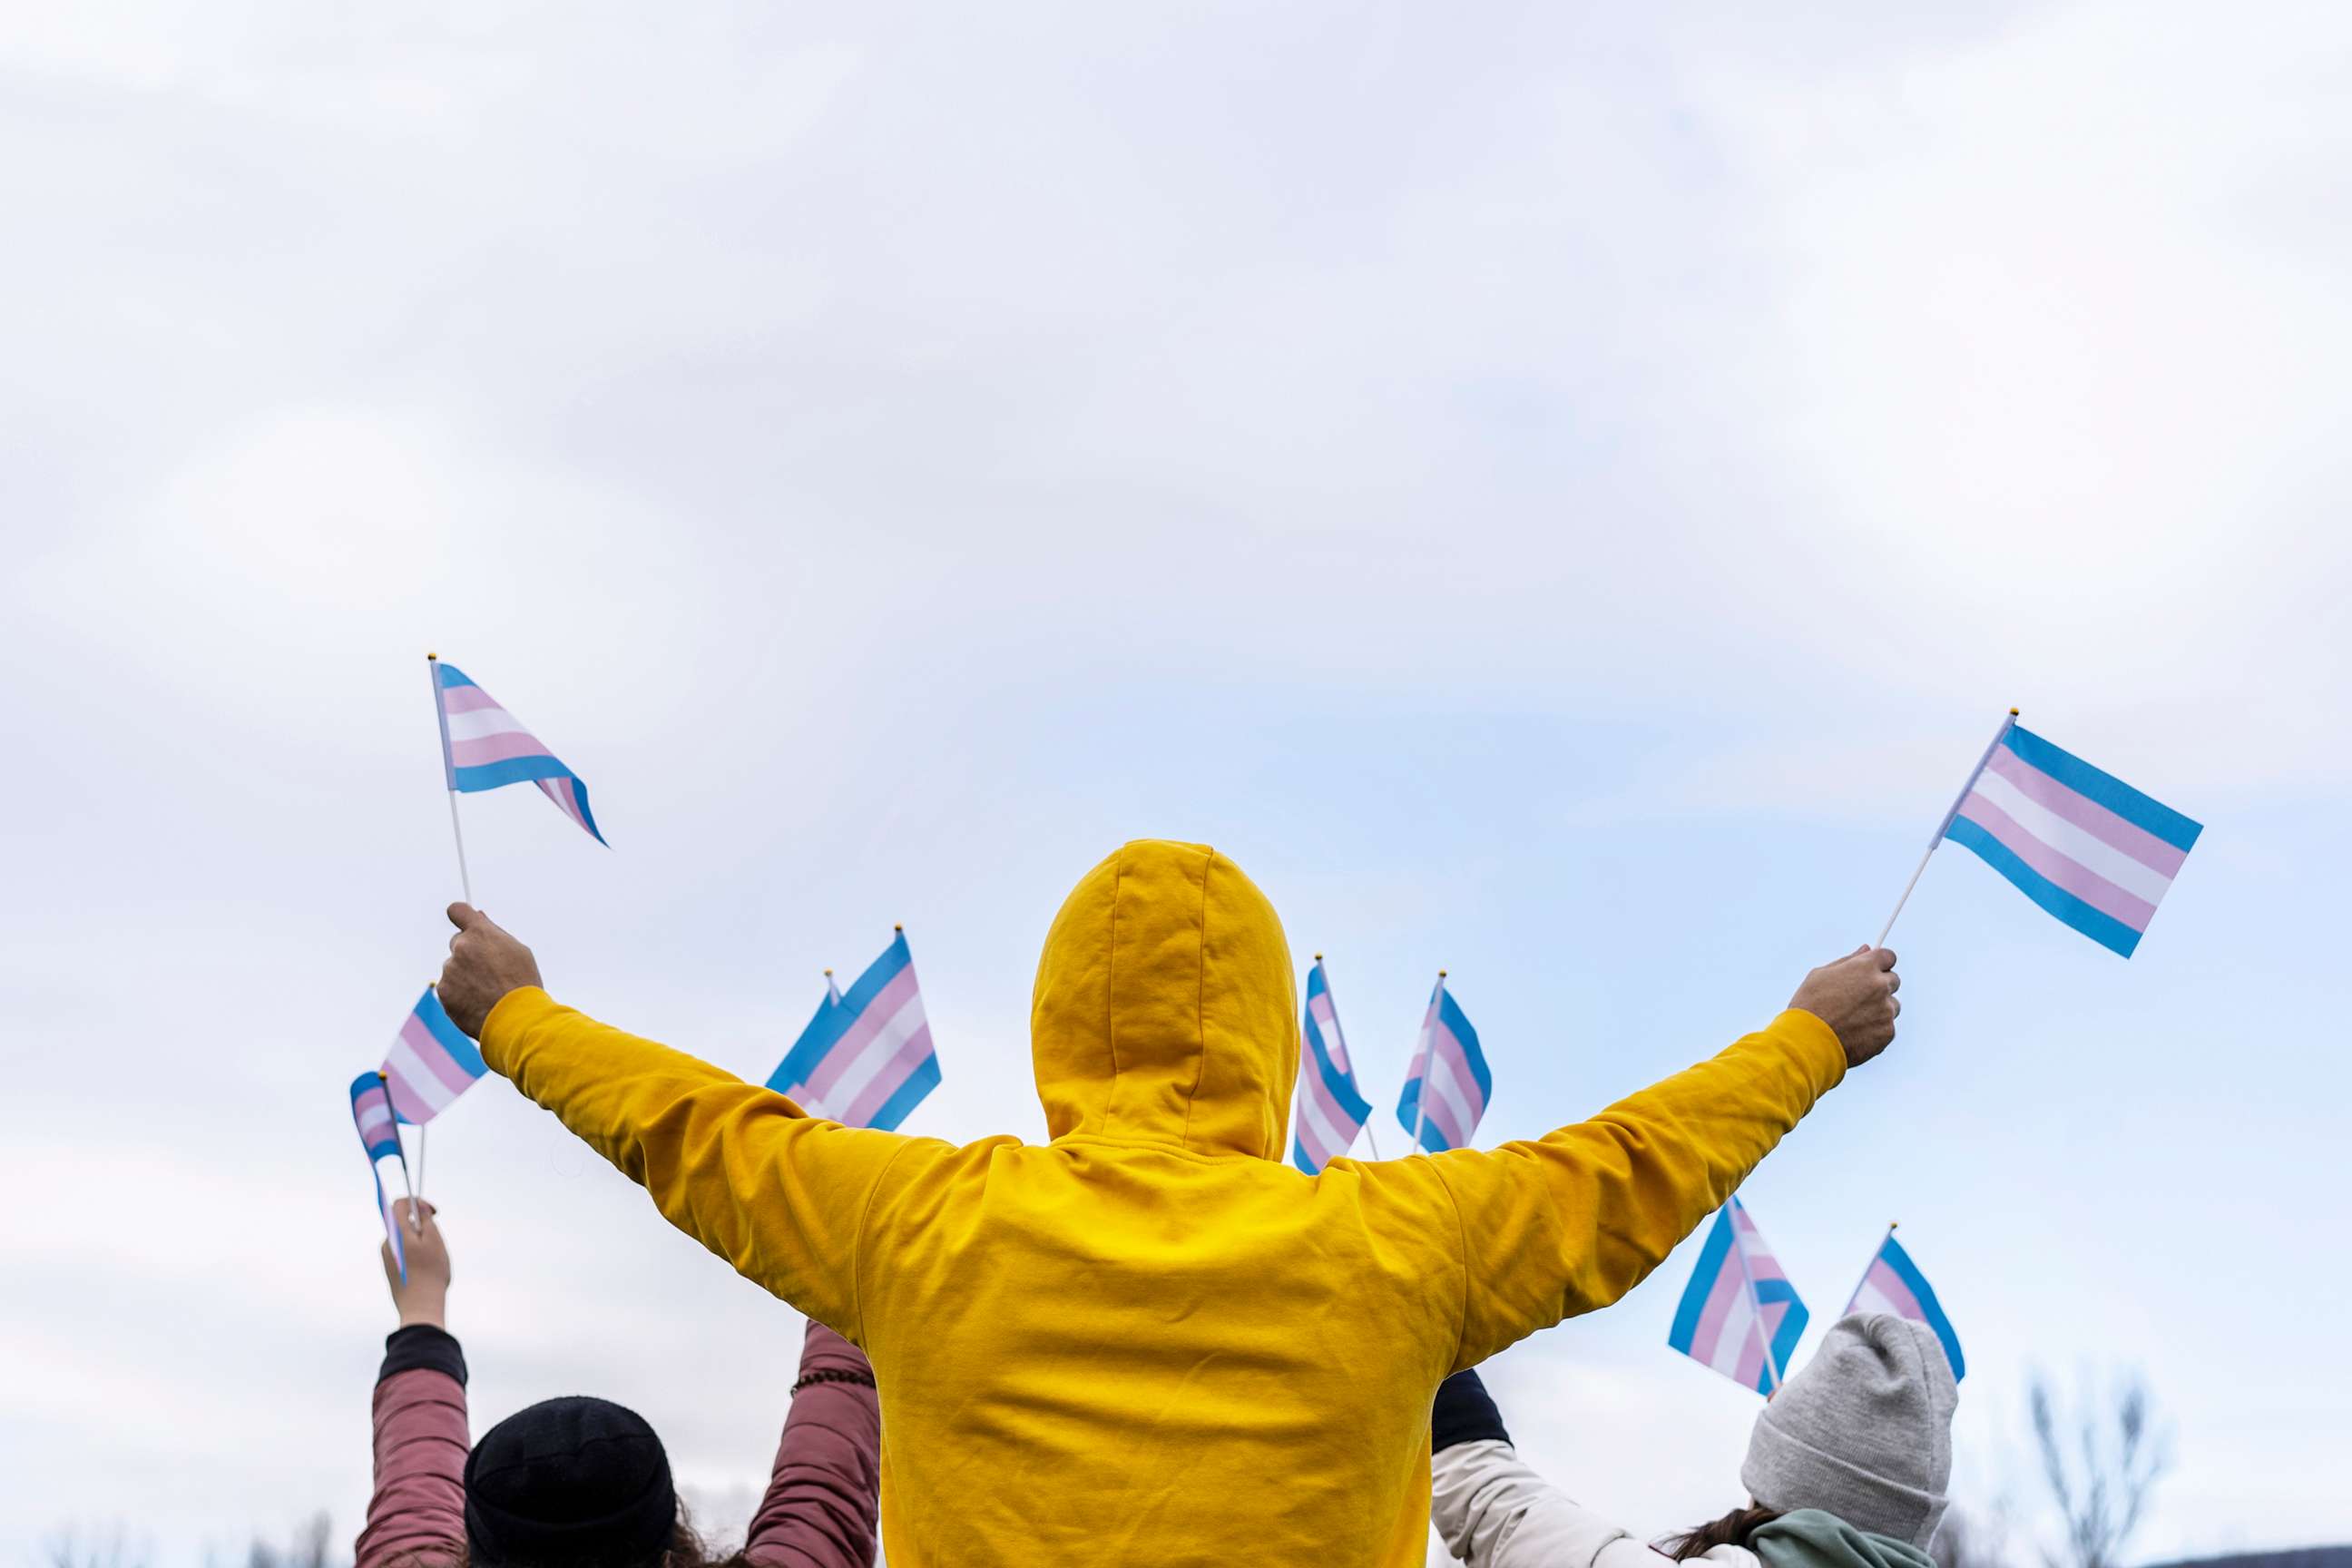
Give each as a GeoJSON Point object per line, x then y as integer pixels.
{"type": "Point", "coordinates": [2081, 843]}
{"type": "Point", "coordinates": [1893, 1284]}
{"type": "Point", "coordinates": [1330, 1109]}
{"type": "Point", "coordinates": [430, 1064]}
{"type": "Point", "coordinates": [371, 1114]}
{"type": "Point", "coordinates": [865, 1060]}
{"type": "Point", "coordinates": [1447, 1086]}
{"type": "Point", "coordinates": [484, 746]}
{"type": "Point", "coordinates": [1739, 1314]}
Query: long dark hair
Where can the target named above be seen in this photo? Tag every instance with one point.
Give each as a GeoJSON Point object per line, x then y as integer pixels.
{"type": "Point", "coordinates": [1734, 1529]}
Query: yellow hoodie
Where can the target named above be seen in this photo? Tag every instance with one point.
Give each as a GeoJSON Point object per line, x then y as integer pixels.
{"type": "Point", "coordinates": [1151, 1340]}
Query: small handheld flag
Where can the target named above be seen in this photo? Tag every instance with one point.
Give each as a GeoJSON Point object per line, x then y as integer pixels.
{"type": "Point", "coordinates": [1448, 1085]}
{"type": "Point", "coordinates": [1739, 1314]}
{"type": "Point", "coordinates": [866, 1058]}
{"type": "Point", "coordinates": [430, 1064]}
{"type": "Point", "coordinates": [1892, 1283]}
{"type": "Point", "coordinates": [2081, 843]}
{"type": "Point", "coordinates": [371, 1114]}
{"type": "Point", "coordinates": [483, 747]}
{"type": "Point", "coordinates": [1331, 1111]}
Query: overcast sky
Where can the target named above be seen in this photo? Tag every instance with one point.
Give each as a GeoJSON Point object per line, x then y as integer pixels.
{"type": "Point", "coordinates": [1562, 493]}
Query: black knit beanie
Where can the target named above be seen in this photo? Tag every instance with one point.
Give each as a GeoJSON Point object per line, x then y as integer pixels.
{"type": "Point", "coordinates": [575, 1480]}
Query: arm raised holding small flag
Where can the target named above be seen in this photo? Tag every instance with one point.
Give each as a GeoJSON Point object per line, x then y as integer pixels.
{"type": "Point", "coordinates": [1568, 1223]}
{"type": "Point", "coordinates": [638, 1103]}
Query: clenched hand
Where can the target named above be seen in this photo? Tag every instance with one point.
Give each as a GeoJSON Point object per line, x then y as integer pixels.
{"type": "Point", "coordinates": [485, 964]}
{"type": "Point", "coordinates": [1855, 997]}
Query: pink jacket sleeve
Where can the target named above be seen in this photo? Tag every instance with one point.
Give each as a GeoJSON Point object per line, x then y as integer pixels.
{"type": "Point", "coordinates": [417, 1515]}
{"type": "Point", "coordinates": [823, 1502]}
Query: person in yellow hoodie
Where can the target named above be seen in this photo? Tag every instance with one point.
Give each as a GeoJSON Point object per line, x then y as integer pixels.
{"type": "Point", "coordinates": [1152, 1340]}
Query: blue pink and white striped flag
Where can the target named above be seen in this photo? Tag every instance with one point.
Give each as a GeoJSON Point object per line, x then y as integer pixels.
{"type": "Point", "coordinates": [430, 1064]}
{"type": "Point", "coordinates": [1738, 1298]}
{"type": "Point", "coordinates": [865, 1060]}
{"type": "Point", "coordinates": [2081, 843]}
{"type": "Point", "coordinates": [484, 746]}
{"type": "Point", "coordinates": [1447, 1086]}
{"type": "Point", "coordinates": [371, 1114]}
{"type": "Point", "coordinates": [1330, 1109]}
{"type": "Point", "coordinates": [1893, 1284]}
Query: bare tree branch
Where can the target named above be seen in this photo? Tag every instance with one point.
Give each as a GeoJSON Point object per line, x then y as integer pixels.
{"type": "Point", "coordinates": [2102, 1495]}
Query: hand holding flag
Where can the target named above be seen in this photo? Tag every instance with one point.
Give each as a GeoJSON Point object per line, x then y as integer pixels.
{"type": "Point", "coordinates": [485, 964]}
{"type": "Point", "coordinates": [1855, 996]}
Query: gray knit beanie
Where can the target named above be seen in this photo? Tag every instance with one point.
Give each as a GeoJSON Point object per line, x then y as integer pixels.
{"type": "Point", "coordinates": [1863, 1431]}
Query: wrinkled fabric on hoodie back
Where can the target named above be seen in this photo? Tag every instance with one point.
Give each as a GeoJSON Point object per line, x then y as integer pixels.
{"type": "Point", "coordinates": [1151, 1340]}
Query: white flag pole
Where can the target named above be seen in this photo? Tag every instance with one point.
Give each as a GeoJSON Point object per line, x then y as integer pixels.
{"type": "Point", "coordinates": [1755, 1302]}
{"type": "Point", "coordinates": [1944, 825]}
{"type": "Point", "coordinates": [1428, 1054]}
{"type": "Point", "coordinates": [449, 777]}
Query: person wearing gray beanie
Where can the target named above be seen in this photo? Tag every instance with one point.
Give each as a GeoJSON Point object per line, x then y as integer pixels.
{"type": "Point", "coordinates": [1846, 1468]}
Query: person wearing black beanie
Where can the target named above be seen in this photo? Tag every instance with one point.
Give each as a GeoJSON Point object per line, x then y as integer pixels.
{"type": "Point", "coordinates": [580, 1482]}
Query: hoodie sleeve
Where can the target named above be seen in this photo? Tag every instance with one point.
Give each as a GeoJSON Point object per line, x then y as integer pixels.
{"type": "Point", "coordinates": [778, 1193]}
{"type": "Point", "coordinates": [1568, 1223]}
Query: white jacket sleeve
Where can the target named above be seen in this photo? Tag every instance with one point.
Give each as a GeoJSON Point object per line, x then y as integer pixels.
{"type": "Point", "coordinates": [1496, 1512]}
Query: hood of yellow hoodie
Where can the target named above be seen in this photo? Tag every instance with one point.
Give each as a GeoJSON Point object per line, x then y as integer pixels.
{"type": "Point", "coordinates": [1165, 1011]}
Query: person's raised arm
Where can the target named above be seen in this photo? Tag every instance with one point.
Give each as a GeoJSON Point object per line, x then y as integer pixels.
{"type": "Point", "coordinates": [1568, 1223]}
{"type": "Point", "coordinates": [823, 1499]}
{"type": "Point", "coordinates": [1494, 1510]}
{"type": "Point", "coordinates": [417, 1514]}
{"type": "Point", "coordinates": [740, 1168]}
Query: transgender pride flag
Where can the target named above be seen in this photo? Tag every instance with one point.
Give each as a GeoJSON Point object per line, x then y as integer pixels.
{"type": "Point", "coordinates": [1893, 1284]}
{"type": "Point", "coordinates": [371, 1114]}
{"type": "Point", "coordinates": [1736, 1296]}
{"type": "Point", "coordinates": [2082, 844]}
{"type": "Point", "coordinates": [431, 1063]}
{"type": "Point", "coordinates": [1447, 1086]}
{"type": "Point", "coordinates": [484, 746]}
{"type": "Point", "coordinates": [1330, 1110]}
{"type": "Point", "coordinates": [865, 1060]}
